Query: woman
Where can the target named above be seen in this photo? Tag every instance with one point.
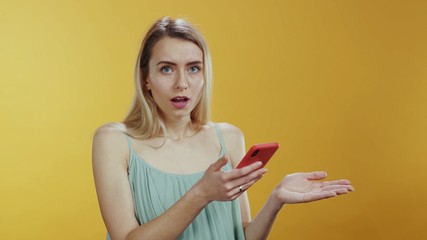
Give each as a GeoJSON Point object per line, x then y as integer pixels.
{"type": "Point", "coordinates": [166, 172]}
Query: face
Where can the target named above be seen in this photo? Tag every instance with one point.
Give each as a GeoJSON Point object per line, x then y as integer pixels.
{"type": "Point", "coordinates": [175, 77]}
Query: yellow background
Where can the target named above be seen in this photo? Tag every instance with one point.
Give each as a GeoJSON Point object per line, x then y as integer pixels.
{"type": "Point", "coordinates": [340, 84]}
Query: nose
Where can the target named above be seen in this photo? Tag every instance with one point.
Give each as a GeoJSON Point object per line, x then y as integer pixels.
{"type": "Point", "coordinates": [182, 83]}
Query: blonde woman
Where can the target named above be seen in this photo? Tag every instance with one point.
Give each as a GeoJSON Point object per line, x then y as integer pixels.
{"type": "Point", "coordinates": [167, 172]}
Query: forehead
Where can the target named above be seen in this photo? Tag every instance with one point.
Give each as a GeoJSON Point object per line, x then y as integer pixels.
{"type": "Point", "coordinates": [176, 50]}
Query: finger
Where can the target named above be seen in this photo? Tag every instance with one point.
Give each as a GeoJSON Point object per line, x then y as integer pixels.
{"type": "Point", "coordinates": [236, 192]}
{"type": "Point", "coordinates": [336, 182]}
{"type": "Point", "coordinates": [249, 184]}
{"type": "Point", "coordinates": [241, 180]}
{"type": "Point", "coordinates": [319, 196]}
{"type": "Point", "coordinates": [318, 175]}
{"type": "Point", "coordinates": [218, 164]}
{"type": "Point", "coordinates": [239, 189]}
{"type": "Point", "coordinates": [337, 187]}
{"type": "Point", "coordinates": [341, 191]}
{"type": "Point", "coordinates": [253, 176]}
{"type": "Point", "coordinates": [238, 173]}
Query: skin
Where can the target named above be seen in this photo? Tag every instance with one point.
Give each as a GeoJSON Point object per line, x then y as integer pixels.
{"type": "Point", "coordinates": [176, 69]}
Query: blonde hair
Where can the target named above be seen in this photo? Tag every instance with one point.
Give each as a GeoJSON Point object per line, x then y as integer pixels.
{"type": "Point", "coordinates": [143, 119]}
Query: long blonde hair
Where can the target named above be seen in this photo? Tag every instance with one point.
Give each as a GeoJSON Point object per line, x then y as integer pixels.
{"type": "Point", "coordinates": [143, 119]}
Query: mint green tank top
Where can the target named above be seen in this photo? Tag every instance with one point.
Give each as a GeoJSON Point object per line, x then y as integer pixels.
{"type": "Point", "coordinates": [154, 191]}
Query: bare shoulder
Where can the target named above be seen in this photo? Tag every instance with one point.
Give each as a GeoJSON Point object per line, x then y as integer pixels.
{"type": "Point", "coordinates": [111, 128]}
{"type": "Point", "coordinates": [110, 156]}
{"type": "Point", "coordinates": [110, 133]}
{"type": "Point", "coordinates": [110, 139]}
{"type": "Point", "coordinates": [230, 131]}
{"type": "Point", "coordinates": [234, 141]}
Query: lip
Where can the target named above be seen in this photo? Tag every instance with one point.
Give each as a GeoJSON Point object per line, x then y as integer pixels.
{"type": "Point", "coordinates": [180, 101]}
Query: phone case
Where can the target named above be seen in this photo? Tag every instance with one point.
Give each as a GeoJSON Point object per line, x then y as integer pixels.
{"type": "Point", "coordinates": [259, 152]}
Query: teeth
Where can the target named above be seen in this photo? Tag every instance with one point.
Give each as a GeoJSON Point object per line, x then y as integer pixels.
{"type": "Point", "coordinates": [179, 99]}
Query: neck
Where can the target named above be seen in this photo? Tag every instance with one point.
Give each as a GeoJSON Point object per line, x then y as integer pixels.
{"type": "Point", "coordinates": [180, 129]}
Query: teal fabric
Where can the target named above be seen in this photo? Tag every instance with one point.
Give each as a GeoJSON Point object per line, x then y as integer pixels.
{"type": "Point", "coordinates": [154, 191]}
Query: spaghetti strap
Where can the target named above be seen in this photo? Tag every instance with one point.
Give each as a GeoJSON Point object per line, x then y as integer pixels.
{"type": "Point", "coordinates": [154, 191]}
{"type": "Point", "coordinates": [130, 144]}
{"type": "Point", "coordinates": [221, 139]}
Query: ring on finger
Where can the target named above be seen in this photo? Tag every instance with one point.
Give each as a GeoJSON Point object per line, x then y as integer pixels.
{"type": "Point", "coordinates": [240, 189]}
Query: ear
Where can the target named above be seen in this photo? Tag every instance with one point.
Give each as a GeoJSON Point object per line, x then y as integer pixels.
{"type": "Point", "coordinates": [147, 84]}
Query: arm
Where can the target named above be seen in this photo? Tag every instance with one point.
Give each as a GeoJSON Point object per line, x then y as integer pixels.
{"type": "Point", "coordinates": [260, 227]}
{"type": "Point", "coordinates": [235, 144]}
{"type": "Point", "coordinates": [294, 188]}
{"type": "Point", "coordinates": [110, 154]}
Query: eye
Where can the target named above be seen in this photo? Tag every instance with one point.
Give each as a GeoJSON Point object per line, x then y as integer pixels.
{"type": "Point", "coordinates": [194, 69]}
{"type": "Point", "coordinates": [166, 69]}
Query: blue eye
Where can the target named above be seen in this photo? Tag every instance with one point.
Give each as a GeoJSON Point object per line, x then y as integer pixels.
{"type": "Point", "coordinates": [194, 69]}
{"type": "Point", "coordinates": [166, 69]}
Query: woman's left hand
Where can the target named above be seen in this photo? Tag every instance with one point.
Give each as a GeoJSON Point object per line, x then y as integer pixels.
{"type": "Point", "coordinates": [305, 187]}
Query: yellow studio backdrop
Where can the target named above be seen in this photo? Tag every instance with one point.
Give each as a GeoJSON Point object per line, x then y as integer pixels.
{"type": "Point", "coordinates": [340, 84]}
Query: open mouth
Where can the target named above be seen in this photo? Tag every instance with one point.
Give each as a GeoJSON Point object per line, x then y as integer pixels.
{"type": "Point", "coordinates": [180, 99]}
{"type": "Point", "coordinates": [180, 102]}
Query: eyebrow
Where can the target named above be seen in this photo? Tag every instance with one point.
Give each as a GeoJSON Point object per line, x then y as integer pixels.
{"type": "Point", "coordinates": [174, 64]}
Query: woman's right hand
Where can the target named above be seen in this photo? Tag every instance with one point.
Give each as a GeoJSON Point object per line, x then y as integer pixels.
{"type": "Point", "coordinates": [217, 185]}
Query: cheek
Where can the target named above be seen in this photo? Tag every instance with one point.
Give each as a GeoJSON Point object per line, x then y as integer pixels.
{"type": "Point", "coordinates": [197, 81]}
{"type": "Point", "coordinates": [198, 89]}
{"type": "Point", "coordinates": [158, 83]}
{"type": "Point", "coordinates": [200, 84]}
{"type": "Point", "coordinates": [157, 91]}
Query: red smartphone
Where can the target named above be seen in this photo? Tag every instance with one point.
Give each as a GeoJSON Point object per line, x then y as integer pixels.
{"type": "Point", "coordinates": [259, 152]}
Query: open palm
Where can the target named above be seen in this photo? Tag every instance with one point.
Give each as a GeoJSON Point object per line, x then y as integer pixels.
{"type": "Point", "coordinates": [305, 187]}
